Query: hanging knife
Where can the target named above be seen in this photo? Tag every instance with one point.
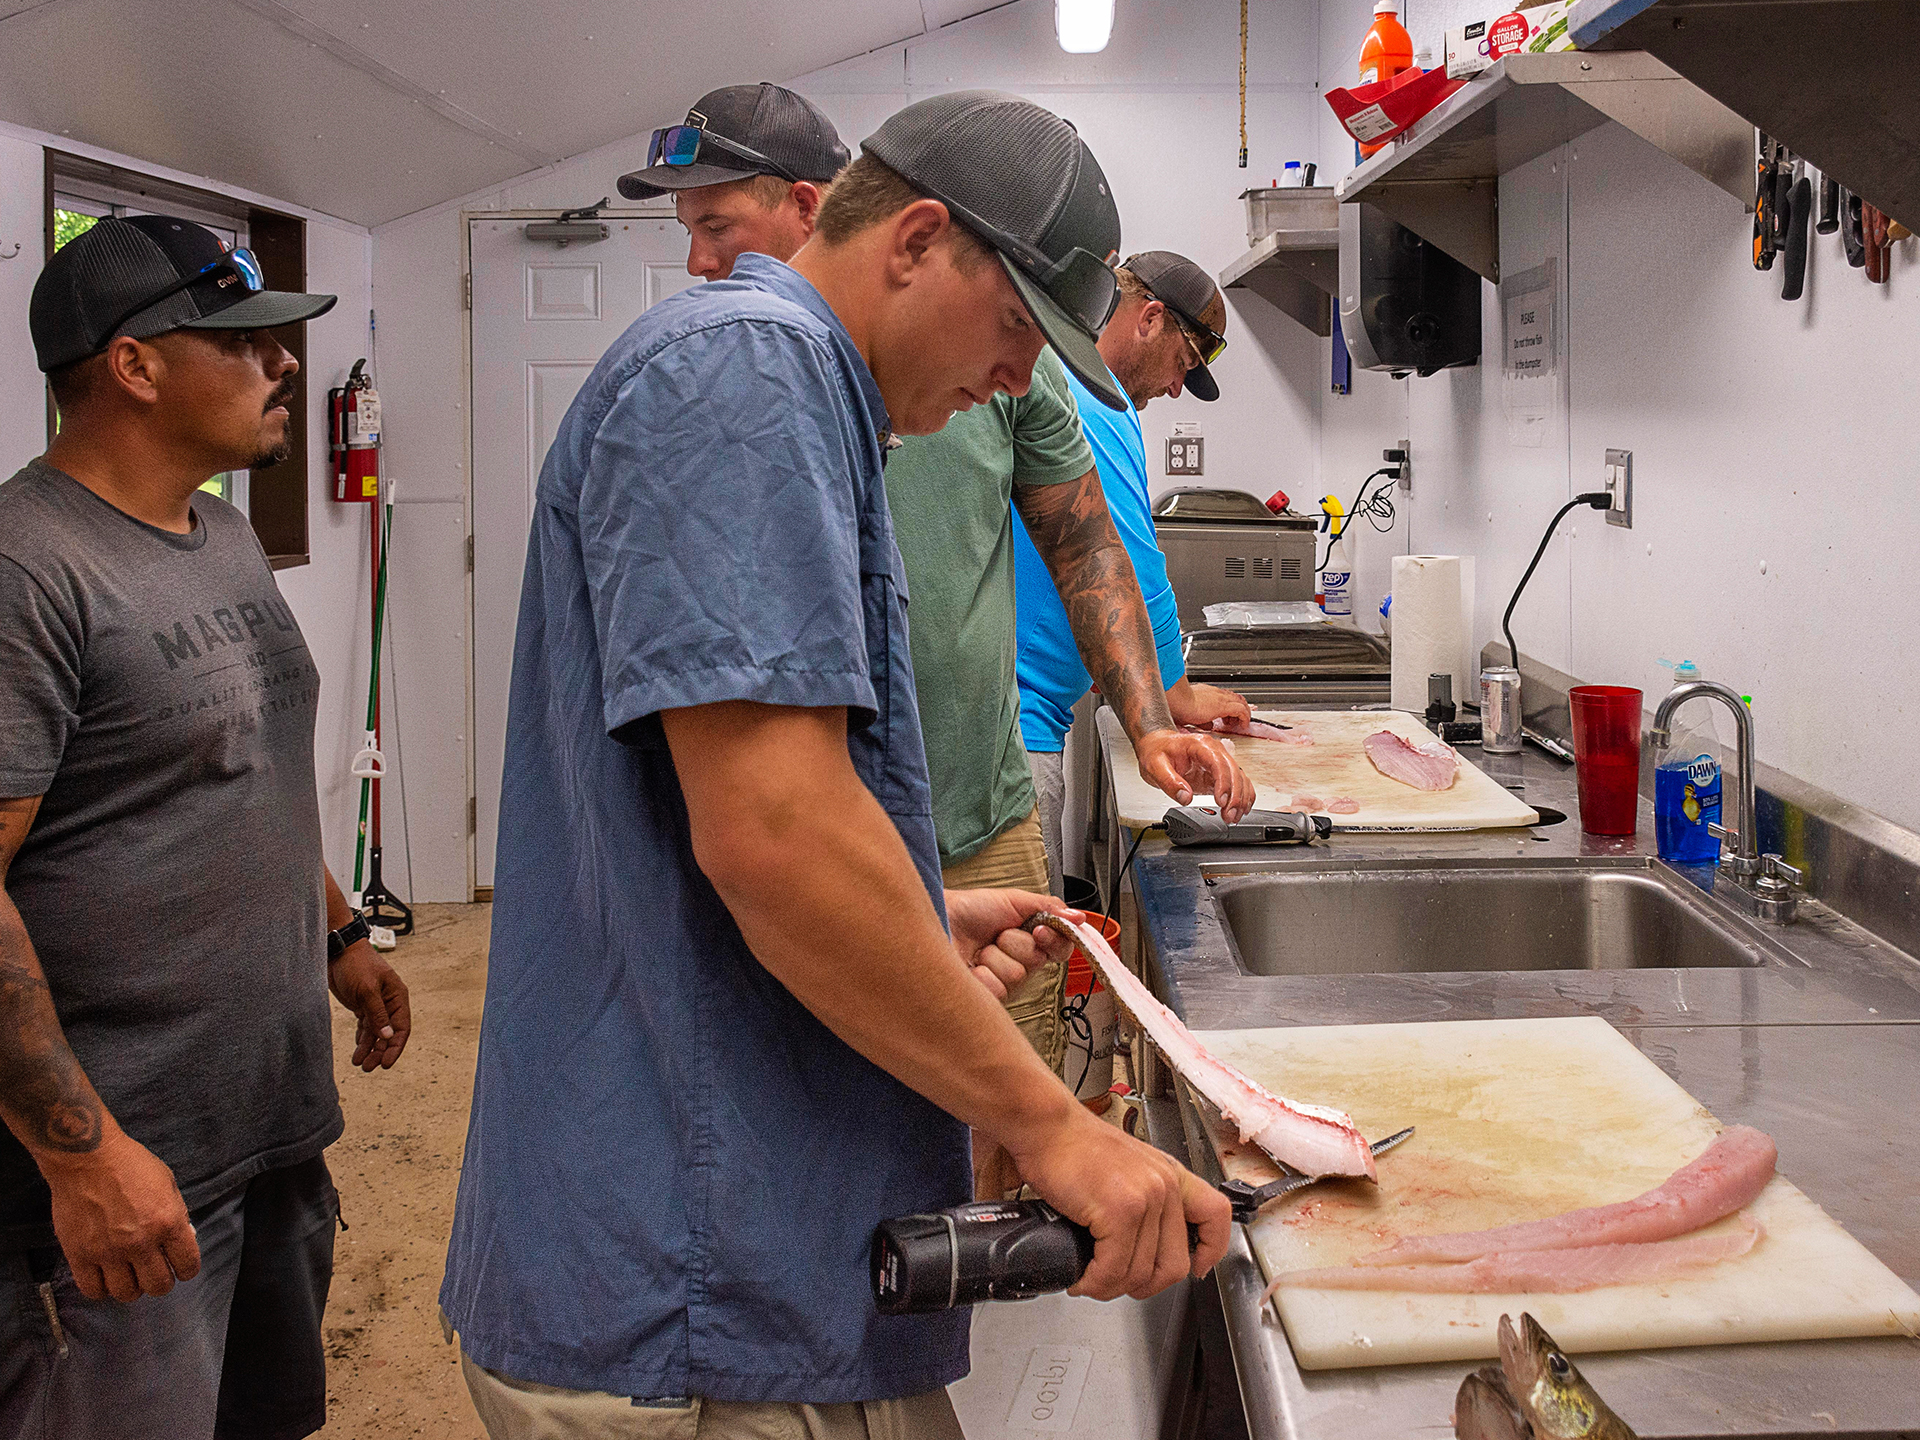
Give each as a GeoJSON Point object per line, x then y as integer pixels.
{"type": "Point", "coordinates": [1829, 204]}
{"type": "Point", "coordinates": [1800, 214]}
{"type": "Point", "coordinates": [1852, 235]}
{"type": "Point", "coordinates": [1763, 205]}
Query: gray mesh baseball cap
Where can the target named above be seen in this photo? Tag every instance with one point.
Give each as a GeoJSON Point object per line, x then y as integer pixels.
{"type": "Point", "coordinates": [783, 134]}
{"type": "Point", "coordinates": [1187, 290]}
{"type": "Point", "coordinates": [1021, 179]}
{"type": "Point", "coordinates": [146, 275]}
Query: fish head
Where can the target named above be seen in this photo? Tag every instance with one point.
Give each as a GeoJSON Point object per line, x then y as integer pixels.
{"type": "Point", "coordinates": [1551, 1392]}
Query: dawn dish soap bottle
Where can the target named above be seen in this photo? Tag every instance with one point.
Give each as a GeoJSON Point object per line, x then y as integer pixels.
{"type": "Point", "coordinates": [1686, 785]}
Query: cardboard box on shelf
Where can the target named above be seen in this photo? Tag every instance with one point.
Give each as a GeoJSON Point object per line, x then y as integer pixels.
{"type": "Point", "coordinates": [1531, 29]}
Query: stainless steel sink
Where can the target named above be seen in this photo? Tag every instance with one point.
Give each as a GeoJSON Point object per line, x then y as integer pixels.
{"type": "Point", "coordinates": [1398, 921]}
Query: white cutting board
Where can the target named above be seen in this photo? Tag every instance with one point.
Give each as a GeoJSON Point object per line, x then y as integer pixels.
{"type": "Point", "coordinates": [1521, 1119]}
{"type": "Point", "coordinates": [1335, 765]}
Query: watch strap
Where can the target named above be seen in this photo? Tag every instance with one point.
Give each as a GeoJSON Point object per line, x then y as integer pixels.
{"type": "Point", "coordinates": [348, 935]}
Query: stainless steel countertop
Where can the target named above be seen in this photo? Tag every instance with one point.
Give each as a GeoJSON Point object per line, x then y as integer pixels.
{"type": "Point", "coordinates": [1817, 1046]}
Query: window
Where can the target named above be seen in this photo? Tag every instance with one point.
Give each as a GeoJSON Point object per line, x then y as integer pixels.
{"type": "Point", "coordinates": [80, 192]}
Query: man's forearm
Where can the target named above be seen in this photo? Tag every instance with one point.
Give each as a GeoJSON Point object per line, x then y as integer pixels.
{"type": "Point", "coordinates": [827, 898]}
{"type": "Point", "coordinates": [1075, 535]}
{"type": "Point", "coordinates": [45, 1096]}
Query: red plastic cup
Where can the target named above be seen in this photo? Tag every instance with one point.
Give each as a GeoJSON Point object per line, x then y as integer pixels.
{"type": "Point", "coordinates": [1606, 748]}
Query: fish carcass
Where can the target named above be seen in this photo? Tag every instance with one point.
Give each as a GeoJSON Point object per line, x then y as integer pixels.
{"type": "Point", "coordinates": [1722, 1179]}
{"type": "Point", "coordinates": [1425, 767]}
{"type": "Point", "coordinates": [1484, 1408]}
{"type": "Point", "coordinates": [1311, 1138]}
{"type": "Point", "coordinates": [1539, 1272]}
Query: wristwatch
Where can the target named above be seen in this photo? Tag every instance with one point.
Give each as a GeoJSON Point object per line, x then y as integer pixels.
{"type": "Point", "coordinates": [351, 933]}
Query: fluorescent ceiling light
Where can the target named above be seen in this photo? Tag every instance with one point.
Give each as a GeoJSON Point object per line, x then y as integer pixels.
{"type": "Point", "coordinates": [1083, 26]}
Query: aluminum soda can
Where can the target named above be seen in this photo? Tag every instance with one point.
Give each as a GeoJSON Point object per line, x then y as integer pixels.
{"type": "Point", "coordinates": [1500, 714]}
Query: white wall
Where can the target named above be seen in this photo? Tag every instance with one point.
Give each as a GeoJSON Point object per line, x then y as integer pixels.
{"type": "Point", "coordinates": [330, 596]}
{"type": "Point", "coordinates": [1775, 464]}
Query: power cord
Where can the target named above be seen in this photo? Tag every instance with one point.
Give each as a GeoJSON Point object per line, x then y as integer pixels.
{"type": "Point", "coordinates": [1377, 508]}
{"type": "Point", "coordinates": [1126, 865]}
{"type": "Point", "coordinates": [1598, 500]}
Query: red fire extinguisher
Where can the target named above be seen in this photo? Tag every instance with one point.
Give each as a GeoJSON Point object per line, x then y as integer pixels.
{"type": "Point", "coordinates": [353, 427]}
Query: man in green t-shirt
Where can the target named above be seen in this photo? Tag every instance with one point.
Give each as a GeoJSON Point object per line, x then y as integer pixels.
{"type": "Point", "coordinates": [952, 495]}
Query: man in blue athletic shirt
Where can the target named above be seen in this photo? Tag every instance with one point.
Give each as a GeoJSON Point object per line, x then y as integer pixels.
{"type": "Point", "coordinates": [1170, 323]}
{"type": "Point", "coordinates": [726, 1033]}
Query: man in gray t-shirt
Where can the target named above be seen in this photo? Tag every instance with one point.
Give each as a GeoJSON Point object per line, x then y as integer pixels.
{"type": "Point", "coordinates": [166, 919]}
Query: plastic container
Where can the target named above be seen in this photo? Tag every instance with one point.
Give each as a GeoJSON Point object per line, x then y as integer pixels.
{"type": "Point", "coordinates": [1687, 775]}
{"type": "Point", "coordinates": [1087, 1013]}
{"type": "Point", "coordinates": [1386, 52]}
{"type": "Point", "coordinates": [1606, 751]}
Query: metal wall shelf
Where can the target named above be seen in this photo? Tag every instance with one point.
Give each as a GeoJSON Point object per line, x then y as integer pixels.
{"type": "Point", "coordinates": [1834, 80]}
{"type": "Point", "coordinates": [1297, 271]}
{"type": "Point", "coordinates": [1441, 180]}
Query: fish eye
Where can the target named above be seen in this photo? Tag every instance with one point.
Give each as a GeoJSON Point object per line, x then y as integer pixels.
{"type": "Point", "coordinates": [1557, 1363]}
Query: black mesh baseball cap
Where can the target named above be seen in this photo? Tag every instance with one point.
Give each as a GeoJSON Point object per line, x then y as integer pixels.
{"type": "Point", "coordinates": [1021, 179]}
{"type": "Point", "coordinates": [146, 275]}
{"type": "Point", "coordinates": [1187, 290]}
{"type": "Point", "coordinates": [748, 130]}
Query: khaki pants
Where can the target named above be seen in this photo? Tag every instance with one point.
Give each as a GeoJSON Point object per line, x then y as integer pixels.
{"type": "Point", "coordinates": [520, 1410]}
{"type": "Point", "coordinates": [1016, 859]}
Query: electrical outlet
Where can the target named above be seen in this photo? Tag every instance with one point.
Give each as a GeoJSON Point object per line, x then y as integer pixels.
{"type": "Point", "coordinates": [1619, 484]}
{"type": "Point", "coordinates": [1401, 462]}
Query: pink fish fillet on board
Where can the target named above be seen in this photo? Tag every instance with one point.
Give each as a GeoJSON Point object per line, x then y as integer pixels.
{"type": "Point", "coordinates": [1424, 767]}
{"type": "Point", "coordinates": [1254, 730]}
{"type": "Point", "coordinates": [1311, 1138]}
{"type": "Point", "coordinates": [1538, 1272]}
{"type": "Point", "coordinates": [1723, 1179]}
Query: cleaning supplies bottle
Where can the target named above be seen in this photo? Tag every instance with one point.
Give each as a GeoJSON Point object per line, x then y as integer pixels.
{"type": "Point", "coordinates": [1387, 50]}
{"type": "Point", "coordinates": [1686, 784]}
{"type": "Point", "coordinates": [1336, 576]}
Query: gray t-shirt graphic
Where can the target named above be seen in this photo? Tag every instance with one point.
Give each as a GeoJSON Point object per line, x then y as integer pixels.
{"type": "Point", "coordinates": [156, 690]}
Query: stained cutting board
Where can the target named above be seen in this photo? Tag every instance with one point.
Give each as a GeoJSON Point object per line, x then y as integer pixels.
{"type": "Point", "coordinates": [1334, 765]}
{"type": "Point", "coordinates": [1517, 1120]}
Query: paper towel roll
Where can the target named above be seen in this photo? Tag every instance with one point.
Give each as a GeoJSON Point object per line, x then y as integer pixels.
{"type": "Point", "coordinates": [1432, 628]}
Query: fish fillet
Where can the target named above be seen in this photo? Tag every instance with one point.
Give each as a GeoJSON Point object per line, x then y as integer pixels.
{"type": "Point", "coordinates": [1311, 1138]}
{"type": "Point", "coordinates": [1538, 1272]}
{"type": "Point", "coordinates": [1254, 730]}
{"type": "Point", "coordinates": [1424, 767]}
{"type": "Point", "coordinates": [1722, 1179]}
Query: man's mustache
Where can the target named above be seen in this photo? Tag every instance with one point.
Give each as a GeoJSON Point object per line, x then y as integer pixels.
{"type": "Point", "coordinates": [282, 395]}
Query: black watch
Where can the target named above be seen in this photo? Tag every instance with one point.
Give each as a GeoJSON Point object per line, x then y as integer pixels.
{"type": "Point", "coordinates": [349, 934]}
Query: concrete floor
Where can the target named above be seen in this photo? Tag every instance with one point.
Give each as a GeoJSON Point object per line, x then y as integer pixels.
{"type": "Point", "coordinates": [389, 1372]}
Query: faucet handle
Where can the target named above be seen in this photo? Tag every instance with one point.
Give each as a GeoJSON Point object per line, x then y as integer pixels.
{"type": "Point", "coordinates": [1721, 832]}
{"type": "Point", "coordinates": [1779, 869]}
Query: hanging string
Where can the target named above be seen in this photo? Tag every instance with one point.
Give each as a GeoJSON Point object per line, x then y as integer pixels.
{"type": "Point", "coordinates": [1243, 84]}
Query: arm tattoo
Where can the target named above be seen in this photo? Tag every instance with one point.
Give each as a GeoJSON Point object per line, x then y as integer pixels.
{"type": "Point", "coordinates": [45, 1097]}
{"type": "Point", "coordinates": [1074, 534]}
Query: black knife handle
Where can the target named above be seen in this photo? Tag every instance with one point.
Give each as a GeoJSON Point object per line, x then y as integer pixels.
{"type": "Point", "coordinates": [1851, 235]}
{"type": "Point", "coordinates": [1829, 205]}
{"type": "Point", "coordinates": [1795, 281]}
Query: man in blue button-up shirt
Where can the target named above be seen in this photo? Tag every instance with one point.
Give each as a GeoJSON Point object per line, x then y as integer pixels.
{"type": "Point", "coordinates": [726, 1033]}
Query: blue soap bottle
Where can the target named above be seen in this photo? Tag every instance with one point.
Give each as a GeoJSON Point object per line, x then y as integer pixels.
{"type": "Point", "coordinates": [1686, 788]}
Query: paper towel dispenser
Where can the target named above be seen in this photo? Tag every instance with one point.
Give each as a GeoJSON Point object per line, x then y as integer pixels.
{"type": "Point", "coordinates": [1404, 304]}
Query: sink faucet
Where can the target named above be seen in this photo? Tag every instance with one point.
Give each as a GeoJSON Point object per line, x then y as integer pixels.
{"type": "Point", "coordinates": [1763, 884]}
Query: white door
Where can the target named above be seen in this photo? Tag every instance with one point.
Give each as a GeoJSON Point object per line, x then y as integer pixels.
{"type": "Point", "coordinates": [542, 317]}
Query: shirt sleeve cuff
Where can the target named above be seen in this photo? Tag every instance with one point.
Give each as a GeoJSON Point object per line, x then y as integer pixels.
{"type": "Point", "coordinates": [800, 689]}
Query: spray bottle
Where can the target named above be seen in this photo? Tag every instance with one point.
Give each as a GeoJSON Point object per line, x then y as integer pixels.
{"type": "Point", "coordinates": [1336, 576]}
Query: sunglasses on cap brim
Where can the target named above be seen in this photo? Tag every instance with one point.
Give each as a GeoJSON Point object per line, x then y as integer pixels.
{"type": "Point", "coordinates": [1079, 282]}
{"type": "Point", "coordinates": [682, 144]}
{"type": "Point", "coordinates": [239, 262]}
